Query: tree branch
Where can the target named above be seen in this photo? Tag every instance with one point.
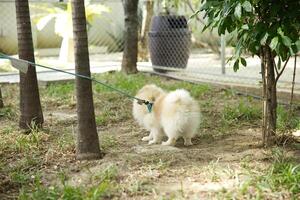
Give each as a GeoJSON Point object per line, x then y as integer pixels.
{"type": "Point", "coordinates": [281, 71]}
{"type": "Point", "coordinates": [276, 70]}
{"type": "Point", "coordinates": [193, 10]}
{"type": "Point", "coordinates": [293, 83]}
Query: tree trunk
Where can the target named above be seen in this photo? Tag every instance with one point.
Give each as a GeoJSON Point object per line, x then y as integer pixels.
{"type": "Point", "coordinates": [1, 99]}
{"type": "Point", "coordinates": [87, 138]}
{"type": "Point", "coordinates": [131, 36]}
{"type": "Point", "coordinates": [30, 105]}
{"type": "Point", "coordinates": [269, 97]}
{"type": "Point", "coordinates": [143, 52]}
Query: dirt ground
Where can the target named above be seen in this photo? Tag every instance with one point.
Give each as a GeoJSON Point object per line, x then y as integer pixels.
{"type": "Point", "coordinates": [225, 157]}
{"type": "Point", "coordinates": [212, 167]}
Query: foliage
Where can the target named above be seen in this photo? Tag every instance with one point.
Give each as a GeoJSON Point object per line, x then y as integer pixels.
{"type": "Point", "coordinates": [7, 112]}
{"type": "Point", "coordinates": [59, 94]}
{"type": "Point", "coordinates": [242, 111]}
{"type": "Point", "coordinates": [283, 174]}
{"type": "Point", "coordinates": [62, 14]}
{"type": "Point", "coordinates": [177, 3]}
{"type": "Point", "coordinates": [258, 23]}
{"type": "Point", "coordinates": [287, 120]}
{"type": "Point", "coordinates": [105, 188]}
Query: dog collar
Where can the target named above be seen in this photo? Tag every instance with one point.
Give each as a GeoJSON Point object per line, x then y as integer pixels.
{"type": "Point", "coordinates": [149, 106]}
{"type": "Point", "coordinates": [147, 103]}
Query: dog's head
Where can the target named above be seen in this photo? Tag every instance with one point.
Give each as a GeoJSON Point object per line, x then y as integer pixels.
{"type": "Point", "coordinates": [150, 92]}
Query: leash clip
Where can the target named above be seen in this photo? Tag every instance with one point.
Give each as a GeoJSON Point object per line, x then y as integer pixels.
{"type": "Point", "coordinates": [147, 103]}
{"type": "Point", "coordinates": [149, 106]}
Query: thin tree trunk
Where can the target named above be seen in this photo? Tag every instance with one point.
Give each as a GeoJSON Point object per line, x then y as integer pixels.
{"type": "Point", "coordinates": [264, 101]}
{"type": "Point", "coordinates": [131, 36]}
{"type": "Point", "coordinates": [30, 105]}
{"type": "Point", "coordinates": [293, 85]}
{"type": "Point", "coordinates": [270, 97]}
{"type": "Point", "coordinates": [143, 52]}
{"type": "Point", "coordinates": [1, 100]}
{"type": "Point", "coordinates": [87, 137]}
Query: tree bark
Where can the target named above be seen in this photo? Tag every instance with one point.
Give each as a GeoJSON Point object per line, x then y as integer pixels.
{"type": "Point", "coordinates": [1, 100]}
{"type": "Point", "coordinates": [87, 146]}
{"type": "Point", "coordinates": [269, 97]}
{"type": "Point", "coordinates": [143, 52]}
{"type": "Point", "coordinates": [131, 36]}
{"type": "Point", "coordinates": [30, 105]}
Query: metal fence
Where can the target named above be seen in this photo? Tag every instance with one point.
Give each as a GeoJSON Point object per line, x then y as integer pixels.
{"type": "Point", "coordinates": [170, 42]}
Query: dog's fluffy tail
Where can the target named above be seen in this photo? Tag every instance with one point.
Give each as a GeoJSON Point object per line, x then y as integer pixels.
{"type": "Point", "coordinates": [179, 96]}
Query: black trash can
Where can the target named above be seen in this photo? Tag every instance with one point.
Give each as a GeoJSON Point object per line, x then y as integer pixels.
{"type": "Point", "coordinates": [169, 41]}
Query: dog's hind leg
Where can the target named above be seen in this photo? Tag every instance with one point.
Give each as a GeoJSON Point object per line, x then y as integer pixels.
{"type": "Point", "coordinates": [187, 141]}
{"type": "Point", "coordinates": [156, 134]}
{"type": "Point", "coordinates": [170, 142]}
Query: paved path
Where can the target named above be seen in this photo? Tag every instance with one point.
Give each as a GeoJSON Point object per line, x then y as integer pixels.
{"type": "Point", "coordinates": [206, 68]}
{"type": "Point", "coordinates": [201, 68]}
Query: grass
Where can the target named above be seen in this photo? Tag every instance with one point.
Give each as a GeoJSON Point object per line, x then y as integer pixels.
{"type": "Point", "coordinates": [287, 120]}
{"type": "Point", "coordinates": [241, 111]}
{"type": "Point", "coordinates": [283, 174]}
{"type": "Point", "coordinates": [105, 188]}
{"type": "Point", "coordinates": [42, 165]}
{"type": "Point", "coordinates": [7, 112]}
{"type": "Point", "coordinates": [109, 142]}
{"type": "Point", "coordinates": [58, 94]}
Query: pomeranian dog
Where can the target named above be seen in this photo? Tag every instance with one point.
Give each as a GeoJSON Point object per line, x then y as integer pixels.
{"type": "Point", "coordinates": [174, 114]}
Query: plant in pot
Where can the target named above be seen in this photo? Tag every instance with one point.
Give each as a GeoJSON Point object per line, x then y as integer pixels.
{"type": "Point", "coordinates": [169, 39]}
{"type": "Point", "coordinates": [59, 15]}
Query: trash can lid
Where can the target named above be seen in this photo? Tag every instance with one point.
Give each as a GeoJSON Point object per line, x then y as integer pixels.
{"type": "Point", "coordinates": [163, 23]}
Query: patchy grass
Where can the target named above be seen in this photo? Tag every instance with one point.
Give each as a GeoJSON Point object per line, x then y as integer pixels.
{"type": "Point", "coordinates": [7, 112]}
{"type": "Point", "coordinates": [241, 111]}
{"type": "Point", "coordinates": [226, 160]}
{"type": "Point", "coordinates": [280, 180]}
{"type": "Point", "coordinates": [105, 188]}
{"type": "Point", "coordinates": [287, 120]}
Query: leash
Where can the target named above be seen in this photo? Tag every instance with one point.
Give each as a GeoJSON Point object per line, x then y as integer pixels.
{"type": "Point", "coordinates": [17, 63]}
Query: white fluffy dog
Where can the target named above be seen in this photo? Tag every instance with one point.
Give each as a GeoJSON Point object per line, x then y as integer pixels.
{"type": "Point", "coordinates": [175, 114]}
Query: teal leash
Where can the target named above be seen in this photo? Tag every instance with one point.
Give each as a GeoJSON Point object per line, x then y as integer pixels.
{"type": "Point", "coordinates": [139, 101]}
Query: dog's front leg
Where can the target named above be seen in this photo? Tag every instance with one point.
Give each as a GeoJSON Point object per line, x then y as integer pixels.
{"type": "Point", "coordinates": [148, 138]}
{"type": "Point", "coordinates": [157, 136]}
{"type": "Point", "coordinates": [170, 142]}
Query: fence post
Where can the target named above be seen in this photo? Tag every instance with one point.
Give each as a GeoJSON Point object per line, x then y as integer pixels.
{"type": "Point", "coordinates": [223, 53]}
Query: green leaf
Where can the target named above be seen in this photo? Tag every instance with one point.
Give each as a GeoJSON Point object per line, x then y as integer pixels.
{"type": "Point", "coordinates": [291, 51]}
{"type": "Point", "coordinates": [236, 65]}
{"type": "Point", "coordinates": [247, 6]}
{"type": "Point", "coordinates": [264, 39]}
{"type": "Point", "coordinates": [280, 32]}
{"type": "Point", "coordinates": [243, 61]}
{"type": "Point", "coordinates": [274, 43]}
{"type": "Point", "coordinates": [194, 14]}
{"type": "Point", "coordinates": [282, 52]}
{"type": "Point", "coordinates": [286, 41]}
{"type": "Point", "coordinates": [279, 63]}
{"type": "Point", "coordinates": [297, 43]}
{"type": "Point", "coordinates": [205, 27]}
{"type": "Point", "coordinates": [222, 27]}
{"type": "Point", "coordinates": [238, 11]}
{"type": "Point", "coordinates": [245, 27]}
